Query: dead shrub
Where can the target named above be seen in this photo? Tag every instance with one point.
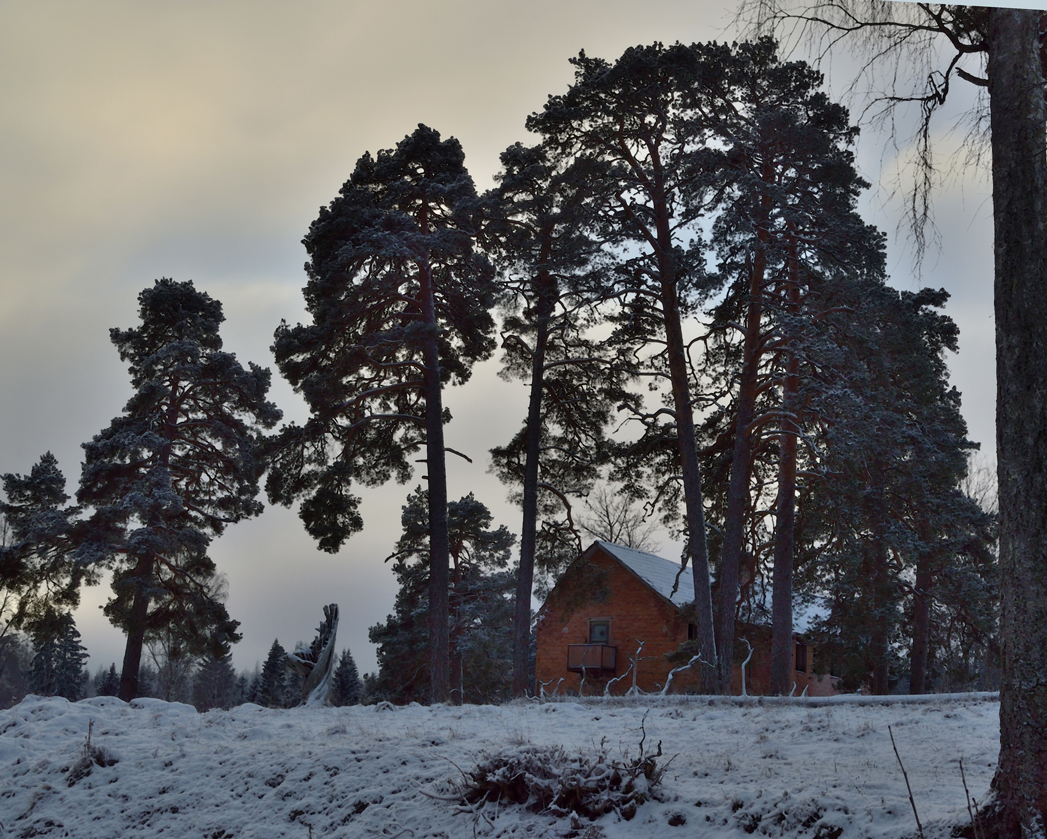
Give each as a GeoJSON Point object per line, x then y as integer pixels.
{"type": "Point", "coordinates": [547, 779]}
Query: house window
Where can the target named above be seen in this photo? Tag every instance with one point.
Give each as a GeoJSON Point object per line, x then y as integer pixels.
{"type": "Point", "coordinates": [801, 657]}
{"type": "Point", "coordinates": [599, 632]}
{"type": "Point", "coordinates": [692, 632]}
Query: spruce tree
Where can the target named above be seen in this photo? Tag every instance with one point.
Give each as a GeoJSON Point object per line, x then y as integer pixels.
{"type": "Point", "coordinates": [272, 688]}
{"type": "Point", "coordinates": [180, 464]}
{"type": "Point", "coordinates": [400, 303]}
{"type": "Point", "coordinates": [346, 688]}
{"type": "Point", "coordinates": [107, 682]}
{"type": "Point", "coordinates": [214, 685]}
{"type": "Point", "coordinates": [16, 655]}
{"type": "Point", "coordinates": [57, 668]}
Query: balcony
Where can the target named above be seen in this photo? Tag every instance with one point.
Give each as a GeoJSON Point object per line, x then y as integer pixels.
{"type": "Point", "coordinates": [591, 657]}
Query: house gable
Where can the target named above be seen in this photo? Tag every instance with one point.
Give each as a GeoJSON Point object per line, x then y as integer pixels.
{"type": "Point", "coordinates": [633, 609]}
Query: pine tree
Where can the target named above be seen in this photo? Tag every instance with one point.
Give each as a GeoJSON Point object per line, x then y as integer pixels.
{"type": "Point", "coordinates": [272, 689]}
{"type": "Point", "coordinates": [543, 230]}
{"type": "Point", "coordinates": [634, 118]}
{"type": "Point", "coordinates": [347, 688]}
{"type": "Point", "coordinates": [58, 661]}
{"type": "Point", "coordinates": [888, 507]}
{"type": "Point", "coordinates": [400, 302]}
{"type": "Point", "coordinates": [785, 227]}
{"type": "Point", "coordinates": [180, 464]}
{"type": "Point", "coordinates": [242, 693]}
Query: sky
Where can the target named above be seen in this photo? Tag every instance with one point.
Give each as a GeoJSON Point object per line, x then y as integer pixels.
{"type": "Point", "coordinates": [198, 140]}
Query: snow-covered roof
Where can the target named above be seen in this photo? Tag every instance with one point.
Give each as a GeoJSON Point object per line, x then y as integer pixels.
{"type": "Point", "coordinates": [658, 573]}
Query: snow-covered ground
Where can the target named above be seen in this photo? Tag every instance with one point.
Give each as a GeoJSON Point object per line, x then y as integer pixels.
{"type": "Point", "coordinates": [805, 768]}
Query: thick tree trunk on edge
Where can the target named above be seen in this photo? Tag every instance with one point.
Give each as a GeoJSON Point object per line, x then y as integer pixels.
{"type": "Point", "coordinates": [1019, 173]}
{"type": "Point", "coordinates": [136, 629]}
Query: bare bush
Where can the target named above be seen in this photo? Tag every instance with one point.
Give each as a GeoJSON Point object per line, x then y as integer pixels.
{"type": "Point", "coordinates": [546, 779]}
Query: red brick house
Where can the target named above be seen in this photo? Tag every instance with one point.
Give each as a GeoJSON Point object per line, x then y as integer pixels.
{"type": "Point", "coordinates": [613, 599]}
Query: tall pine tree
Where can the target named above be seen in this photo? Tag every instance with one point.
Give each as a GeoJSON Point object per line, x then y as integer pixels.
{"type": "Point", "coordinates": [180, 464]}
{"type": "Point", "coordinates": [544, 231]}
{"type": "Point", "coordinates": [400, 302]}
{"type": "Point", "coordinates": [633, 117]}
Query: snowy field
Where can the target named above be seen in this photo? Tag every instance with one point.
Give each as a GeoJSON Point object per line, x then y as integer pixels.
{"type": "Point", "coordinates": [806, 768]}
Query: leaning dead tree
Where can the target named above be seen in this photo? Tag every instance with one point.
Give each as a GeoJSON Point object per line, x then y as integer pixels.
{"type": "Point", "coordinates": [315, 663]}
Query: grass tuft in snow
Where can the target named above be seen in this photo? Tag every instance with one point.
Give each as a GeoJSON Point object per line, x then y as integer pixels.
{"type": "Point", "coordinates": [91, 756]}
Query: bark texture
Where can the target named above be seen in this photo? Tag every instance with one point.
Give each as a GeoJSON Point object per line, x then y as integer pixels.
{"type": "Point", "coordinates": [1019, 172]}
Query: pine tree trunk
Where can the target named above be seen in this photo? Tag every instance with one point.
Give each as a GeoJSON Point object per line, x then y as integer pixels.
{"type": "Point", "coordinates": [436, 462]}
{"type": "Point", "coordinates": [921, 624]}
{"type": "Point", "coordinates": [741, 469]}
{"type": "Point", "coordinates": [532, 454]}
{"type": "Point", "coordinates": [784, 546]}
{"type": "Point", "coordinates": [879, 600]}
{"type": "Point", "coordinates": [782, 666]}
{"type": "Point", "coordinates": [1019, 173]}
{"type": "Point", "coordinates": [697, 547]}
{"type": "Point", "coordinates": [136, 629]}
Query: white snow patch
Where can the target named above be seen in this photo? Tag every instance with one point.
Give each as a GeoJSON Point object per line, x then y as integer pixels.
{"type": "Point", "coordinates": [823, 769]}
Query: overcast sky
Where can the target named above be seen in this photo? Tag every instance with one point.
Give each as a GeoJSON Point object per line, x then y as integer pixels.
{"type": "Point", "coordinates": [197, 140]}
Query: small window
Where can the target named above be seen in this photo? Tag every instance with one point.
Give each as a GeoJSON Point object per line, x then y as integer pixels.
{"type": "Point", "coordinates": [692, 632]}
{"type": "Point", "coordinates": [599, 632]}
{"type": "Point", "coordinates": [801, 657]}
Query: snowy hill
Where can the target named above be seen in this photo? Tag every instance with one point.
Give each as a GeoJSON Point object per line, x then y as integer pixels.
{"type": "Point", "coordinates": [808, 768]}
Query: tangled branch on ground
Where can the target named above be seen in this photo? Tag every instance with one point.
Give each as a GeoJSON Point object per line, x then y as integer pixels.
{"type": "Point", "coordinates": [548, 779]}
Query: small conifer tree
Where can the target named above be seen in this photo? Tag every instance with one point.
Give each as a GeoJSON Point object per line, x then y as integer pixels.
{"type": "Point", "coordinates": [107, 682]}
{"type": "Point", "coordinates": [272, 691]}
{"type": "Point", "coordinates": [58, 665]}
{"type": "Point", "coordinates": [347, 687]}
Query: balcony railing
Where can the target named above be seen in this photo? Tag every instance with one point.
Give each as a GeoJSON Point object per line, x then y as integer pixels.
{"type": "Point", "coordinates": [591, 657]}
